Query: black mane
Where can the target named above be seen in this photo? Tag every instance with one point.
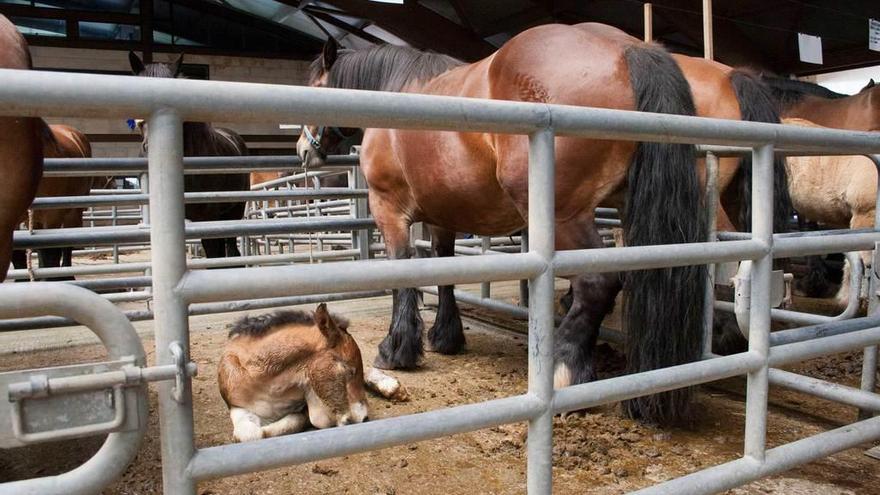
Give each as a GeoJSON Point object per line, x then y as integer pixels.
{"type": "Point", "coordinates": [790, 91]}
{"type": "Point", "coordinates": [256, 326]}
{"type": "Point", "coordinates": [383, 68]}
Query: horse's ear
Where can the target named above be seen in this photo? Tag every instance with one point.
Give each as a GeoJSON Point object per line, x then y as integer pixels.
{"type": "Point", "coordinates": [137, 65]}
{"type": "Point", "coordinates": [329, 55]}
{"type": "Point", "coordinates": [175, 67]}
{"type": "Point", "coordinates": [871, 83]}
{"type": "Point", "coordinates": [326, 325]}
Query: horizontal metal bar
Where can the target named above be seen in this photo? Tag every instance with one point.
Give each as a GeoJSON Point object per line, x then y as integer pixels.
{"type": "Point", "coordinates": [606, 334]}
{"type": "Point", "coordinates": [195, 309]}
{"type": "Point", "coordinates": [727, 151]}
{"type": "Point", "coordinates": [787, 247]}
{"type": "Point", "coordinates": [735, 473]}
{"type": "Point", "coordinates": [103, 96]}
{"type": "Point", "coordinates": [795, 317]}
{"type": "Point", "coordinates": [826, 390]}
{"type": "Point", "coordinates": [229, 460]}
{"type": "Point", "coordinates": [809, 349]}
{"type": "Point", "coordinates": [68, 167]}
{"type": "Point", "coordinates": [200, 197]}
{"type": "Point", "coordinates": [823, 329]}
{"type": "Point", "coordinates": [132, 376]}
{"type": "Point", "coordinates": [91, 236]}
{"type": "Point", "coordinates": [226, 285]}
{"type": "Point", "coordinates": [567, 263]}
{"type": "Point", "coordinates": [649, 382]}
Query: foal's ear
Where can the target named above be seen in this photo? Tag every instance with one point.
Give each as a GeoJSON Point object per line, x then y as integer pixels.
{"type": "Point", "coordinates": [326, 325]}
{"type": "Point", "coordinates": [871, 83]}
{"type": "Point", "coordinates": [137, 65]}
{"type": "Point", "coordinates": [175, 67]}
{"type": "Point", "coordinates": [328, 58]}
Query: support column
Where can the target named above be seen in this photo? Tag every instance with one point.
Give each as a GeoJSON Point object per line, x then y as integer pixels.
{"type": "Point", "coordinates": [541, 309]}
{"type": "Point", "coordinates": [759, 314]}
{"type": "Point", "coordinates": [170, 322]}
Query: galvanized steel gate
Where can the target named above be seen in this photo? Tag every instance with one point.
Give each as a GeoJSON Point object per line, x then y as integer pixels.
{"type": "Point", "coordinates": [167, 103]}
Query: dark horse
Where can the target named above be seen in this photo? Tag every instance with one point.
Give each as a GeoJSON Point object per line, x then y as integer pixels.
{"type": "Point", "coordinates": [21, 149]}
{"type": "Point", "coordinates": [479, 184]}
{"type": "Point", "coordinates": [203, 139]}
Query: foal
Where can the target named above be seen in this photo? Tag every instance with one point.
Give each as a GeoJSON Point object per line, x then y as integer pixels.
{"type": "Point", "coordinates": [278, 369]}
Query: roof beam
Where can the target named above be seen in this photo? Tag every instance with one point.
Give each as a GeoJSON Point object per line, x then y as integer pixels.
{"type": "Point", "coordinates": [420, 27]}
{"type": "Point", "coordinates": [333, 21]}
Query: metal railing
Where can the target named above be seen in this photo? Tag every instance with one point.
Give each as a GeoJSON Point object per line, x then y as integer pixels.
{"type": "Point", "coordinates": [167, 103]}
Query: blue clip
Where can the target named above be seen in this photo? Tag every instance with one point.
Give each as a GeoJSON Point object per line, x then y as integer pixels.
{"type": "Point", "coordinates": [131, 124]}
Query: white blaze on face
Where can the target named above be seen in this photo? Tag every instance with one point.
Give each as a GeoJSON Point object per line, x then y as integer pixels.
{"type": "Point", "coordinates": [246, 425]}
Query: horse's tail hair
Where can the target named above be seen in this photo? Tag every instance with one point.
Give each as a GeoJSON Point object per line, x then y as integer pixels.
{"type": "Point", "coordinates": [663, 308]}
{"type": "Point", "coordinates": [757, 104]}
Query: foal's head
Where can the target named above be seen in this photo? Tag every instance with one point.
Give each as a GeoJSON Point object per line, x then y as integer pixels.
{"type": "Point", "coordinates": [155, 69]}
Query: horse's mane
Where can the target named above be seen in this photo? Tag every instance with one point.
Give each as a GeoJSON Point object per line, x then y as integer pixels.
{"type": "Point", "coordinates": [383, 68]}
{"type": "Point", "coordinates": [790, 91]}
{"type": "Point", "coordinates": [257, 326]}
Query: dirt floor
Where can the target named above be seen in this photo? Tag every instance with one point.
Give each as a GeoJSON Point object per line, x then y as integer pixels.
{"type": "Point", "coordinates": [599, 452]}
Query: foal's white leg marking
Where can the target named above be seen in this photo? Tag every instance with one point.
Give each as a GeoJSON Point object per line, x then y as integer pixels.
{"type": "Point", "coordinates": [385, 385]}
{"type": "Point", "coordinates": [245, 425]}
{"type": "Point", "coordinates": [561, 376]}
{"type": "Point", "coordinates": [292, 423]}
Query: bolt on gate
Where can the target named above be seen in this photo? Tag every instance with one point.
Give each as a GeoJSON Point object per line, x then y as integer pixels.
{"type": "Point", "coordinates": [167, 103]}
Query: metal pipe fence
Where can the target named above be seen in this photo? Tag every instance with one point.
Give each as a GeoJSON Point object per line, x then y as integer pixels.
{"type": "Point", "coordinates": [167, 103]}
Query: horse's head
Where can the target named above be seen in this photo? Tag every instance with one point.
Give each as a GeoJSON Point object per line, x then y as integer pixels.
{"type": "Point", "coordinates": [316, 142]}
{"type": "Point", "coordinates": [156, 69]}
{"type": "Point", "coordinates": [336, 368]}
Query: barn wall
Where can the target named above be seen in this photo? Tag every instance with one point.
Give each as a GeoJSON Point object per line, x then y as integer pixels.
{"type": "Point", "coordinates": [221, 68]}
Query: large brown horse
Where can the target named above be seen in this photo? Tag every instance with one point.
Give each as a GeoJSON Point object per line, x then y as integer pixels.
{"type": "Point", "coordinates": [21, 149]}
{"type": "Point", "coordinates": [479, 184]}
{"type": "Point", "coordinates": [64, 142]}
{"type": "Point", "coordinates": [203, 139]}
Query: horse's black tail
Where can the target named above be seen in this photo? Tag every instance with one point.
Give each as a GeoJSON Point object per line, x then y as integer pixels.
{"type": "Point", "coordinates": [757, 104]}
{"type": "Point", "coordinates": [663, 308]}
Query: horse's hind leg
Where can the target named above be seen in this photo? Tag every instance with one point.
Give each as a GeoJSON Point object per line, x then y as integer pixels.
{"type": "Point", "coordinates": [593, 298]}
{"type": "Point", "coordinates": [52, 258]}
{"type": "Point", "coordinates": [446, 335]}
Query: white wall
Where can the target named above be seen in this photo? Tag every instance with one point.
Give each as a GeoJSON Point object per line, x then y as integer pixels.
{"type": "Point", "coordinates": [848, 81]}
{"type": "Point", "coordinates": [273, 71]}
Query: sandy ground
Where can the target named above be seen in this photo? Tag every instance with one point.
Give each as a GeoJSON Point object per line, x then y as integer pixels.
{"type": "Point", "coordinates": [599, 452]}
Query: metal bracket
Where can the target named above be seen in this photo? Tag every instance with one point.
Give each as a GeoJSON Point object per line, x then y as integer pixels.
{"type": "Point", "coordinates": [74, 401]}
{"type": "Point", "coordinates": [780, 293]}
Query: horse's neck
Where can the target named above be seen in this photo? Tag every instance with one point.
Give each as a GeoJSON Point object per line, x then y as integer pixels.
{"type": "Point", "coordinates": [853, 112]}
{"type": "Point", "coordinates": [198, 138]}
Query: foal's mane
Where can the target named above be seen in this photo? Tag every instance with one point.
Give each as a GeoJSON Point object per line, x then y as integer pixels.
{"type": "Point", "coordinates": [383, 68]}
{"type": "Point", "coordinates": [790, 91]}
{"type": "Point", "coordinates": [257, 326]}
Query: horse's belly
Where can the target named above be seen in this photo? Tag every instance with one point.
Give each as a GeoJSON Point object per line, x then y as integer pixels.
{"type": "Point", "coordinates": [272, 409]}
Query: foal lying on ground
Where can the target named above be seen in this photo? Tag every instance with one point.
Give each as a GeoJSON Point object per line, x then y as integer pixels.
{"type": "Point", "coordinates": [279, 372]}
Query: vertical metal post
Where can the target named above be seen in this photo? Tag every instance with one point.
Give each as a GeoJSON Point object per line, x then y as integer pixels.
{"type": "Point", "coordinates": [759, 315]}
{"type": "Point", "coordinates": [361, 210]}
{"type": "Point", "coordinates": [167, 243]}
{"type": "Point", "coordinates": [524, 284]}
{"type": "Point", "coordinates": [712, 223]}
{"type": "Point", "coordinates": [869, 358]}
{"type": "Point", "coordinates": [541, 318]}
{"type": "Point", "coordinates": [708, 42]}
{"type": "Point", "coordinates": [649, 23]}
{"type": "Point", "coordinates": [144, 181]}
{"type": "Point", "coordinates": [486, 287]}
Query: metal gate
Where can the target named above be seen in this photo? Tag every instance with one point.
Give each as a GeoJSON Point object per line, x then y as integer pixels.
{"type": "Point", "coordinates": [167, 103]}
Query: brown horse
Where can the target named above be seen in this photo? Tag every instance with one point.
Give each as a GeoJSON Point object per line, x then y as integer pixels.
{"type": "Point", "coordinates": [65, 142]}
{"type": "Point", "coordinates": [478, 184]}
{"type": "Point", "coordinates": [203, 139]}
{"type": "Point", "coordinates": [282, 371]}
{"type": "Point", "coordinates": [805, 100]}
{"type": "Point", "coordinates": [836, 191]}
{"type": "Point", "coordinates": [21, 149]}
